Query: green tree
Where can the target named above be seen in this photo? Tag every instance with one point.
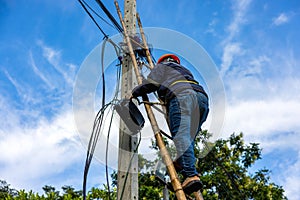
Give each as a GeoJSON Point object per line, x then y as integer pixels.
{"type": "Point", "coordinates": [51, 192]}
{"type": "Point", "coordinates": [223, 168]}
{"type": "Point", "coordinates": [5, 190]}
{"type": "Point", "coordinates": [224, 172]}
{"type": "Point", "coordinates": [70, 193]}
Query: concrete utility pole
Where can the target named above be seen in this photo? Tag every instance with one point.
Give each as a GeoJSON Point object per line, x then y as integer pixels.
{"type": "Point", "coordinates": [128, 159]}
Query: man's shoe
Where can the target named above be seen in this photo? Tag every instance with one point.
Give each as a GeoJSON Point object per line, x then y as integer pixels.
{"type": "Point", "coordinates": [191, 184]}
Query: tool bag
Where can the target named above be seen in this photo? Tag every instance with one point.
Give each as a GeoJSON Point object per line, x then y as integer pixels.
{"type": "Point", "coordinates": [131, 115]}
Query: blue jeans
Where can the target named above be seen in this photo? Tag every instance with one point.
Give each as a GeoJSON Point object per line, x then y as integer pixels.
{"type": "Point", "coordinates": [186, 113]}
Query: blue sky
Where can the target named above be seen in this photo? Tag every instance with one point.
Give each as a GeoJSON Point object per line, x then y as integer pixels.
{"type": "Point", "coordinates": [253, 43]}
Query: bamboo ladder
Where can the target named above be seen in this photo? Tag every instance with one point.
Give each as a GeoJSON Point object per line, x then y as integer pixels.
{"type": "Point", "coordinates": [157, 132]}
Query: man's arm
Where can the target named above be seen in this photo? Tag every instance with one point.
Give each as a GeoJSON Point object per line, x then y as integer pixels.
{"type": "Point", "coordinates": [151, 84]}
{"type": "Point", "coordinates": [146, 87]}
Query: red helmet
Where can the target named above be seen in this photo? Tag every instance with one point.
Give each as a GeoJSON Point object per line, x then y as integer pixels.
{"type": "Point", "coordinates": [172, 56]}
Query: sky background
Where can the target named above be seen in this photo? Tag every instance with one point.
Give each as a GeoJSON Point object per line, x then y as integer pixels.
{"type": "Point", "coordinates": [254, 44]}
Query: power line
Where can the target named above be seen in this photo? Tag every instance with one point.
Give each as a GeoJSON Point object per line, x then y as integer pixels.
{"type": "Point", "coordinates": [91, 16]}
{"type": "Point", "coordinates": [115, 25]}
{"type": "Point", "coordinates": [110, 16]}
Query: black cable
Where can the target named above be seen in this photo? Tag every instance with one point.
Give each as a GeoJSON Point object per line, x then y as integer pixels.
{"type": "Point", "coordinates": [103, 102]}
{"type": "Point", "coordinates": [91, 16]}
{"type": "Point", "coordinates": [106, 154]}
{"type": "Point", "coordinates": [99, 117]}
{"type": "Point", "coordinates": [109, 15]}
{"type": "Point", "coordinates": [92, 144]}
{"type": "Point", "coordinates": [102, 68]}
{"type": "Point", "coordinates": [97, 14]}
{"type": "Point", "coordinates": [114, 99]}
{"type": "Point", "coordinates": [98, 122]}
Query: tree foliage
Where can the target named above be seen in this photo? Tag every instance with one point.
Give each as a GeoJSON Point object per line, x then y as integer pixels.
{"type": "Point", "coordinates": [223, 166]}
{"type": "Point", "coordinates": [224, 171]}
{"type": "Point", "coordinates": [50, 193]}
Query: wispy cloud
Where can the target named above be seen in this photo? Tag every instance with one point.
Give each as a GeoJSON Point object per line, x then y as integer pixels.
{"type": "Point", "coordinates": [43, 91]}
{"type": "Point", "coordinates": [214, 22]}
{"type": "Point", "coordinates": [23, 90]}
{"type": "Point", "coordinates": [14, 83]}
{"type": "Point", "coordinates": [239, 11]}
{"type": "Point", "coordinates": [282, 18]}
{"type": "Point", "coordinates": [230, 51]}
{"type": "Point", "coordinates": [54, 58]}
{"type": "Point", "coordinates": [38, 72]}
{"type": "Point", "coordinates": [231, 48]}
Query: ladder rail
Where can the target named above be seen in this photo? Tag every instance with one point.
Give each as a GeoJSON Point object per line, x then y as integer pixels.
{"type": "Point", "coordinates": [160, 143]}
{"type": "Point", "coordinates": [197, 195]}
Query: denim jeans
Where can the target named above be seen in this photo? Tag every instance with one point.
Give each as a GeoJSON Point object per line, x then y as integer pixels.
{"type": "Point", "coordinates": [186, 113]}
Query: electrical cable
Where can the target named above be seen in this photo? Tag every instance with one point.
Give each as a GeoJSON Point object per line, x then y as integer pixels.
{"type": "Point", "coordinates": [106, 154]}
{"type": "Point", "coordinates": [92, 144]}
{"type": "Point", "coordinates": [99, 117]}
{"type": "Point", "coordinates": [91, 16]}
{"type": "Point", "coordinates": [112, 19]}
{"type": "Point", "coordinates": [109, 15]}
{"type": "Point", "coordinates": [94, 136]}
{"type": "Point", "coordinates": [97, 14]}
{"type": "Point", "coordinates": [103, 102]}
{"type": "Point", "coordinates": [98, 122]}
{"type": "Point", "coordinates": [111, 119]}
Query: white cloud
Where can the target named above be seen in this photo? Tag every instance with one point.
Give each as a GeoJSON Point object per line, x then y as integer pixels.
{"type": "Point", "coordinates": [282, 18]}
{"type": "Point", "coordinates": [262, 88]}
{"type": "Point", "coordinates": [8, 118]}
{"type": "Point", "coordinates": [14, 83]}
{"type": "Point", "coordinates": [39, 143]}
{"type": "Point", "coordinates": [239, 12]}
{"type": "Point", "coordinates": [53, 56]}
{"type": "Point", "coordinates": [232, 49]}
{"type": "Point", "coordinates": [34, 154]}
{"type": "Point", "coordinates": [267, 111]}
{"type": "Point", "coordinates": [38, 72]}
{"type": "Point", "coordinates": [261, 118]}
{"type": "Point", "coordinates": [23, 90]}
{"type": "Point", "coordinates": [269, 117]}
{"type": "Point", "coordinates": [211, 27]}
{"type": "Point", "coordinates": [291, 179]}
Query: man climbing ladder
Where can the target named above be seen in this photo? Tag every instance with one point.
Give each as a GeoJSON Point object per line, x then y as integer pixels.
{"type": "Point", "coordinates": [187, 108]}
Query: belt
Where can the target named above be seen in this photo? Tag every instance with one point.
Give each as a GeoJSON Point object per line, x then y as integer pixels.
{"type": "Point", "coordinates": [183, 81]}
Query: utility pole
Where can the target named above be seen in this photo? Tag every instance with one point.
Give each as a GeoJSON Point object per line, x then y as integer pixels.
{"type": "Point", "coordinates": [128, 158]}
